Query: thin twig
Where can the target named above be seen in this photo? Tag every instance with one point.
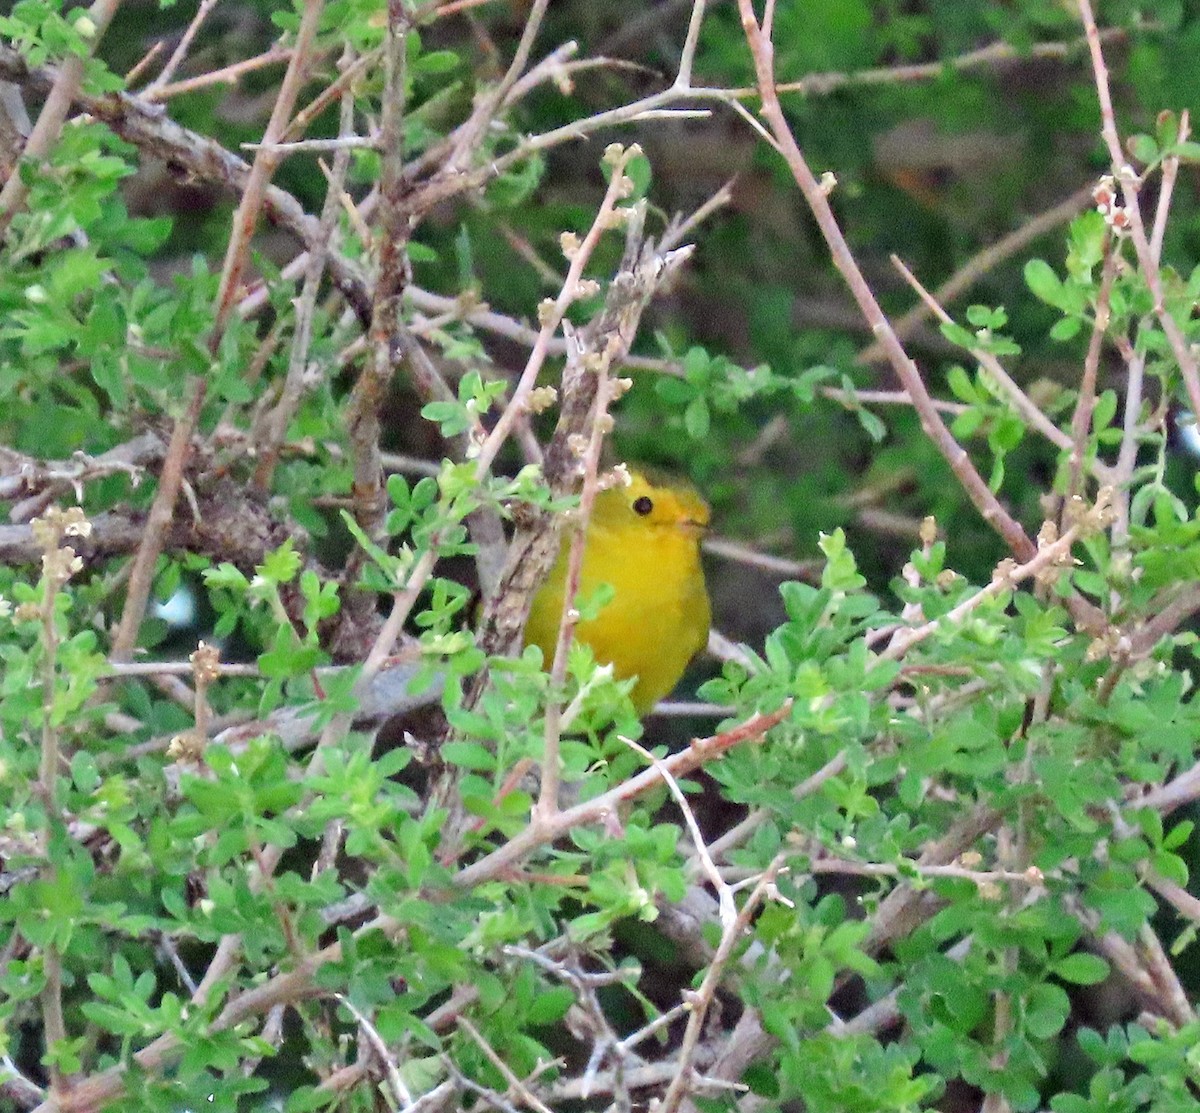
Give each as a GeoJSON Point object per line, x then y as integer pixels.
{"type": "Point", "coordinates": [57, 565]}
{"type": "Point", "coordinates": [552, 314]}
{"type": "Point", "coordinates": [1176, 896]}
{"type": "Point", "coordinates": [598, 424]}
{"type": "Point", "coordinates": [1170, 171]}
{"type": "Point", "coordinates": [293, 387]}
{"type": "Point", "coordinates": [1180, 790]}
{"type": "Point", "coordinates": [514, 1083]}
{"type": "Point", "coordinates": [385, 331]}
{"type": "Point", "coordinates": [25, 475]}
{"type": "Point", "coordinates": [1135, 357]}
{"type": "Point", "coordinates": [1122, 476]}
{"type": "Point", "coordinates": [1005, 578]}
{"type": "Point", "coordinates": [683, 79]}
{"type": "Point", "coordinates": [740, 553]}
{"type": "Point", "coordinates": [1081, 419]}
{"type": "Point", "coordinates": [986, 57]}
{"type": "Point", "coordinates": [702, 999]}
{"type": "Point", "coordinates": [317, 146]}
{"type": "Point", "coordinates": [816, 194]}
{"type": "Point", "coordinates": [246, 219]}
{"type": "Point", "coordinates": [1024, 877]}
{"type": "Point", "coordinates": [162, 510]}
{"type": "Point", "coordinates": [337, 88]}
{"type": "Point", "coordinates": [854, 399]}
{"type": "Point", "coordinates": [15, 1087]}
{"type": "Point", "coordinates": [728, 912]}
{"type": "Point", "coordinates": [1130, 185]}
{"type": "Point", "coordinates": [469, 133]}
{"type": "Point", "coordinates": [227, 75]}
{"type": "Point", "coordinates": [1020, 400]}
{"type": "Point", "coordinates": [181, 51]}
{"type": "Point", "coordinates": [143, 64]}
{"type": "Point", "coordinates": [983, 262]}
{"type": "Point", "coordinates": [399, 1090]}
{"type": "Point", "coordinates": [175, 668]}
{"type": "Point", "coordinates": [738, 834]}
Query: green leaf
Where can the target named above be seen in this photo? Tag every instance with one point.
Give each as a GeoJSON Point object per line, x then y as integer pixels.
{"type": "Point", "coordinates": [871, 424]}
{"type": "Point", "coordinates": [469, 755]}
{"type": "Point", "coordinates": [1043, 282]}
{"type": "Point", "coordinates": [696, 363]}
{"type": "Point", "coordinates": [517, 183]}
{"type": "Point", "coordinates": [1066, 329]}
{"type": "Point", "coordinates": [281, 565]}
{"type": "Point", "coordinates": [639, 172]}
{"type": "Point", "coordinates": [961, 386]}
{"type": "Point", "coordinates": [1178, 835]}
{"type": "Point", "coordinates": [1046, 1010]}
{"type": "Point", "coordinates": [1081, 968]}
{"type": "Point", "coordinates": [696, 419]}
{"type": "Point", "coordinates": [1105, 410]}
{"type": "Point", "coordinates": [435, 62]}
{"type": "Point", "coordinates": [967, 423]}
{"type": "Point", "coordinates": [225, 576]}
{"type": "Point", "coordinates": [451, 417]}
{"type": "Point", "coordinates": [551, 1005]}
{"type": "Point", "coordinates": [1143, 148]}
{"type": "Point", "coordinates": [422, 253]}
{"type": "Point", "coordinates": [1166, 129]}
{"type": "Point", "coordinates": [956, 334]}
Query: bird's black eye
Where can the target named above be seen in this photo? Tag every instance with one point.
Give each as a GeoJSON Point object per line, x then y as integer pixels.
{"type": "Point", "coordinates": [643, 506]}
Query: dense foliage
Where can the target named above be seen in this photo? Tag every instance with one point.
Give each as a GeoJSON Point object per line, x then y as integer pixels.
{"type": "Point", "coordinates": [317, 322]}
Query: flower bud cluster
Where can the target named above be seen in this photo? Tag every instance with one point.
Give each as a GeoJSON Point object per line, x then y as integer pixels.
{"type": "Point", "coordinates": [1115, 214]}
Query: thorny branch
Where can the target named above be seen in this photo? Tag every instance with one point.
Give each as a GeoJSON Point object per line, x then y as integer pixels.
{"type": "Point", "coordinates": [816, 194]}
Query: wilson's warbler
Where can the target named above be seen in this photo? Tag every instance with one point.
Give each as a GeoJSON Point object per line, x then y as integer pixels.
{"type": "Point", "coordinates": [644, 541]}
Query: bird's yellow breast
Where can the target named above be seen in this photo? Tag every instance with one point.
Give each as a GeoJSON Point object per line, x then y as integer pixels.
{"type": "Point", "coordinates": [644, 541]}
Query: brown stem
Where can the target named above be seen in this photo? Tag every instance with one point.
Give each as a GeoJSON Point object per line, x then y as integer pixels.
{"type": "Point", "coordinates": [185, 44]}
{"type": "Point", "coordinates": [384, 342]}
{"type": "Point", "coordinates": [702, 1000]}
{"type": "Point", "coordinates": [293, 386]}
{"type": "Point", "coordinates": [1047, 556]}
{"type": "Point", "coordinates": [141, 576]}
{"type": "Point", "coordinates": [1130, 185]}
{"type": "Point", "coordinates": [265, 161]}
{"type": "Point", "coordinates": [53, 1021]}
{"type": "Point", "coordinates": [983, 262]}
{"type": "Point", "coordinates": [815, 193]}
{"type": "Point", "coordinates": [547, 803]}
{"type": "Point", "coordinates": [1081, 420]}
{"type": "Point", "coordinates": [227, 75]}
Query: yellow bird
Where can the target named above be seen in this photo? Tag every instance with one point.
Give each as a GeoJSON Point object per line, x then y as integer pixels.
{"type": "Point", "coordinates": [644, 541]}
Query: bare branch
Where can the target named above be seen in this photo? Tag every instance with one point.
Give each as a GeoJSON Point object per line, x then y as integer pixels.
{"type": "Point", "coordinates": [265, 162]}
{"type": "Point", "coordinates": [816, 194]}
{"type": "Point", "coordinates": [141, 575]}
